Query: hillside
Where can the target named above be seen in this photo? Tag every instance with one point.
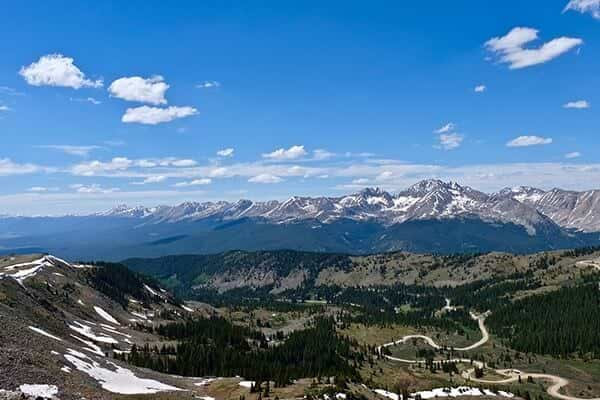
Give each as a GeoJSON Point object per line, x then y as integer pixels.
{"type": "Point", "coordinates": [278, 271]}
{"type": "Point", "coordinates": [63, 323]}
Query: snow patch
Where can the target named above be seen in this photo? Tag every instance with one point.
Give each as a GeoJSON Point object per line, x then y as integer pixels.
{"type": "Point", "coordinates": [92, 347]}
{"type": "Point", "coordinates": [106, 316]}
{"type": "Point", "coordinates": [86, 331]}
{"type": "Point", "coordinates": [152, 292]}
{"type": "Point", "coordinates": [43, 332]}
{"type": "Point", "coordinates": [43, 391]}
{"type": "Point", "coordinates": [120, 380]}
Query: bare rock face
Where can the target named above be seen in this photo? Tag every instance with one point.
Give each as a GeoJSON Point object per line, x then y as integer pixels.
{"type": "Point", "coordinates": [569, 209]}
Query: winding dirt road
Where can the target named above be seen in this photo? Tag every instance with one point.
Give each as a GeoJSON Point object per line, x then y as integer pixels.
{"type": "Point", "coordinates": [595, 263]}
{"type": "Point", "coordinates": [512, 375]}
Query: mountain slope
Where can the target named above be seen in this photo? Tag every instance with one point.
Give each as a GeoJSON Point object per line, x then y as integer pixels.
{"type": "Point", "coordinates": [569, 209]}
{"type": "Point", "coordinates": [305, 272]}
{"type": "Point", "coordinates": [62, 323]}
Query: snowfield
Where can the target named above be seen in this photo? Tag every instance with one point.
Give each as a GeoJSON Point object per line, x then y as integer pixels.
{"type": "Point", "coordinates": [120, 380]}
{"type": "Point", "coordinates": [106, 315]}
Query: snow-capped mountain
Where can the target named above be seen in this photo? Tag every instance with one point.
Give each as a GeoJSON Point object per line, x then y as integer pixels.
{"type": "Point", "coordinates": [429, 199]}
{"type": "Point", "coordinates": [569, 209]}
{"type": "Point", "coordinates": [430, 216]}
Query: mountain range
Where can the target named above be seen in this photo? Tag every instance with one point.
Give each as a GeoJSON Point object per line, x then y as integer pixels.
{"type": "Point", "coordinates": [430, 216]}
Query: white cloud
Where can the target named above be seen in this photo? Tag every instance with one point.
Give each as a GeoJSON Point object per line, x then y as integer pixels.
{"type": "Point", "coordinates": [135, 88]}
{"type": "Point", "coordinates": [574, 154]}
{"type": "Point", "coordinates": [182, 163]}
{"type": "Point", "coordinates": [510, 48]}
{"type": "Point", "coordinates": [7, 167]}
{"type": "Point", "coordinates": [126, 168]}
{"type": "Point", "coordinates": [524, 141]}
{"type": "Point", "coordinates": [195, 182]}
{"type": "Point", "coordinates": [480, 88]}
{"type": "Point", "coordinates": [151, 179]}
{"type": "Point", "coordinates": [585, 6]}
{"type": "Point", "coordinates": [450, 141]}
{"type": "Point", "coordinates": [154, 115]}
{"type": "Point", "coordinates": [10, 91]}
{"type": "Point", "coordinates": [98, 167]}
{"type": "Point", "coordinates": [228, 152]}
{"type": "Point", "coordinates": [114, 142]}
{"type": "Point", "coordinates": [56, 70]}
{"type": "Point", "coordinates": [86, 100]}
{"type": "Point", "coordinates": [446, 128]}
{"type": "Point", "coordinates": [208, 85]}
{"type": "Point", "coordinates": [4, 108]}
{"type": "Point", "coordinates": [579, 104]}
{"type": "Point", "coordinates": [81, 151]}
{"type": "Point", "coordinates": [265, 178]}
{"type": "Point", "coordinates": [292, 153]}
{"type": "Point", "coordinates": [322, 154]}
{"type": "Point", "coordinates": [42, 189]}
{"type": "Point", "coordinates": [92, 189]}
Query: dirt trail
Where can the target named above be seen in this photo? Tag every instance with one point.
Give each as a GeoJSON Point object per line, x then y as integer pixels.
{"type": "Point", "coordinates": [512, 375]}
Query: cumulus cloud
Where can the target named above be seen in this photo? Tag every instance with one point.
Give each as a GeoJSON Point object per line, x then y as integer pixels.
{"type": "Point", "coordinates": [446, 128]}
{"type": "Point", "coordinates": [8, 91]}
{"type": "Point", "coordinates": [265, 178]}
{"type": "Point", "coordinates": [208, 85]}
{"type": "Point", "coordinates": [86, 100]}
{"type": "Point", "coordinates": [360, 181]}
{"type": "Point", "coordinates": [42, 189]}
{"type": "Point", "coordinates": [585, 6]}
{"type": "Point", "coordinates": [292, 153]}
{"type": "Point", "coordinates": [195, 182]}
{"type": "Point", "coordinates": [524, 141]}
{"type": "Point", "coordinates": [181, 163]}
{"type": "Point", "coordinates": [80, 151]}
{"type": "Point", "coordinates": [56, 70]}
{"type": "Point", "coordinates": [579, 104]}
{"type": "Point", "coordinates": [135, 88]}
{"type": "Point", "coordinates": [151, 179]}
{"type": "Point", "coordinates": [480, 88]}
{"type": "Point", "coordinates": [92, 189]}
{"type": "Point", "coordinates": [118, 165]}
{"type": "Point", "coordinates": [450, 141]}
{"type": "Point", "coordinates": [98, 167]}
{"type": "Point", "coordinates": [322, 154]}
{"type": "Point", "coordinates": [228, 152]}
{"type": "Point", "coordinates": [510, 49]}
{"type": "Point", "coordinates": [154, 115]}
{"type": "Point", "coordinates": [8, 167]}
{"type": "Point", "coordinates": [574, 154]}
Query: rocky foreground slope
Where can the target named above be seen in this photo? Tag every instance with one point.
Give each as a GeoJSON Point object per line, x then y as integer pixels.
{"type": "Point", "coordinates": [60, 328]}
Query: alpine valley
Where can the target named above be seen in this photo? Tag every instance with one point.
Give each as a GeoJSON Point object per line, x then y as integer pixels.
{"type": "Point", "coordinates": [430, 216]}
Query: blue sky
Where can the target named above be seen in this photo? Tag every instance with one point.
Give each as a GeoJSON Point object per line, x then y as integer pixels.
{"type": "Point", "coordinates": [145, 103]}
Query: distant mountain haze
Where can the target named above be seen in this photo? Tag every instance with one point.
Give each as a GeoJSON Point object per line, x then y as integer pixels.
{"type": "Point", "coordinates": [430, 216]}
